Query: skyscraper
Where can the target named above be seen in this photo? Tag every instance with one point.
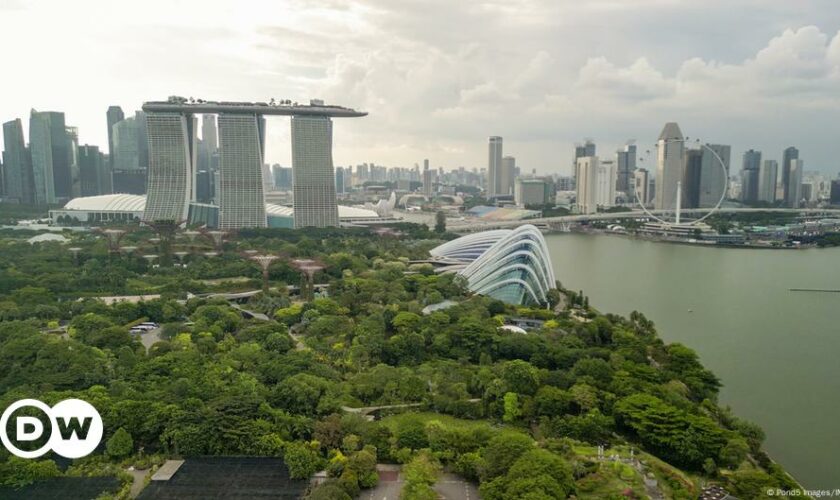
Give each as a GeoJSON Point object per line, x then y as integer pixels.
{"type": "Point", "coordinates": [788, 155]}
{"type": "Point", "coordinates": [794, 185]}
{"type": "Point", "coordinates": [507, 175]}
{"type": "Point", "coordinates": [428, 176]}
{"type": "Point", "coordinates": [585, 149]}
{"type": "Point", "coordinates": [94, 178]}
{"type": "Point", "coordinates": [714, 180]}
{"type": "Point", "coordinates": [50, 153]}
{"type": "Point", "coordinates": [73, 155]}
{"type": "Point", "coordinates": [767, 181]}
{"type": "Point", "coordinates": [641, 180]}
{"type": "Point", "coordinates": [605, 181]}
{"type": "Point", "coordinates": [142, 141]}
{"type": "Point", "coordinates": [586, 175]}
{"type": "Point", "coordinates": [834, 194]}
{"type": "Point", "coordinates": [339, 180]}
{"type": "Point", "coordinates": [312, 171]}
{"type": "Point", "coordinates": [17, 169]}
{"type": "Point", "coordinates": [125, 152]}
{"type": "Point", "coordinates": [691, 177]}
{"type": "Point", "coordinates": [670, 151]}
{"type": "Point", "coordinates": [172, 142]}
{"type": "Point", "coordinates": [750, 175]}
{"type": "Point", "coordinates": [494, 166]}
{"type": "Point", "coordinates": [626, 164]}
{"type": "Point", "coordinates": [209, 134]}
{"type": "Point", "coordinates": [241, 146]}
{"type": "Point", "coordinates": [582, 151]}
{"type": "Point", "coordinates": [114, 115]}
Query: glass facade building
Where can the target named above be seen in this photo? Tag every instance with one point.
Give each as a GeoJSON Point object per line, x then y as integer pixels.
{"type": "Point", "coordinates": [513, 266]}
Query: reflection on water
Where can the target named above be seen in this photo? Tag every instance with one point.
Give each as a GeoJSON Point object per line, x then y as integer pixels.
{"type": "Point", "coordinates": [775, 350]}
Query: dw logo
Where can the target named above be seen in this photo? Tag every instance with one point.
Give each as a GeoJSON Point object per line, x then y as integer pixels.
{"type": "Point", "coordinates": [75, 428]}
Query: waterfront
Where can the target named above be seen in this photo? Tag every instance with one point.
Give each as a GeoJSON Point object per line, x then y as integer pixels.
{"type": "Point", "coordinates": [774, 350]}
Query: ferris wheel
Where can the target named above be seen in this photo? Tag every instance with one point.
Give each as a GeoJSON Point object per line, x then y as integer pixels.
{"type": "Point", "coordinates": [670, 214]}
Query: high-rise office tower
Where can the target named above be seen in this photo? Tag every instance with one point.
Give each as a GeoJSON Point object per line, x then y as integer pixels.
{"type": "Point", "coordinates": [340, 187]}
{"type": "Point", "coordinates": [507, 175]}
{"type": "Point", "coordinates": [641, 181]}
{"type": "Point", "coordinates": [794, 186]}
{"type": "Point", "coordinates": [114, 115]}
{"type": "Point", "coordinates": [283, 177]}
{"type": "Point", "coordinates": [209, 134]}
{"type": "Point", "coordinates": [626, 164]}
{"type": "Point", "coordinates": [312, 172]}
{"type": "Point", "coordinates": [172, 143]}
{"type": "Point", "coordinates": [586, 173]}
{"type": "Point", "coordinates": [670, 152]}
{"type": "Point", "coordinates": [767, 181]}
{"type": "Point", "coordinates": [17, 171]}
{"type": "Point", "coordinates": [241, 146]}
{"type": "Point", "coordinates": [428, 179]}
{"type": "Point", "coordinates": [585, 149]}
{"type": "Point", "coordinates": [494, 166]}
{"type": "Point", "coordinates": [714, 177]}
{"type": "Point", "coordinates": [142, 140]}
{"type": "Point", "coordinates": [73, 154]}
{"type": "Point", "coordinates": [691, 178]}
{"type": "Point", "coordinates": [750, 175]}
{"type": "Point", "coordinates": [834, 193]}
{"type": "Point", "coordinates": [606, 180]}
{"type": "Point", "coordinates": [50, 153]}
{"type": "Point", "coordinates": [788, 155]}
{"type": "Point", "coordinates": [582, 151]}
{"type": "Point", "coordinates": [125, 154]}
{"type": "Point", "coordinates": [93, 178]}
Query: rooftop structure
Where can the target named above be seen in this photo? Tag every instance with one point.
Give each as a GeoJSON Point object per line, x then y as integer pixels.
{"type": "Point", "coordinates": [130, 207]}
{"type": "Point", "coordinates": [316, 107]}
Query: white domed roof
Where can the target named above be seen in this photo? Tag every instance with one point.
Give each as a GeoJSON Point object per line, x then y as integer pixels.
{"type": "Point", "coordinates": [108, 203]}
{"type": "Point", "coordinates": [345, 212]}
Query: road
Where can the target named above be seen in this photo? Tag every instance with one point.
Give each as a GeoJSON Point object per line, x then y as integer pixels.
{"type": "Point", "coordinates": [452, 487]}
{"type": "Point", "coordinates": [473, 224]}
{"type": "Point", "coordinates": [149, 338]}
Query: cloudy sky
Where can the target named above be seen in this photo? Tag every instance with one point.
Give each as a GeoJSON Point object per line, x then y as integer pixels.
{"type": "Point", "coordinates": [439, 76]}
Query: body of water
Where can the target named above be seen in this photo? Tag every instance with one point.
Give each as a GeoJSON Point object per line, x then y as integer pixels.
{"type": "Point", "coordinates": [777, 352]}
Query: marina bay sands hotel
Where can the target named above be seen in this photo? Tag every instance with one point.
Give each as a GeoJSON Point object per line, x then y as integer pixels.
{"type": "Point", "coordinates": [171, 127]}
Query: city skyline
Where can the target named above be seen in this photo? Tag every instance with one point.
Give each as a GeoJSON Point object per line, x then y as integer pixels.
{"type": "Point", "coordinates": [445, 102]}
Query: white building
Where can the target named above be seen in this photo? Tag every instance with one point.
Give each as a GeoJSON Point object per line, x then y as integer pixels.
{"type": "Point", "coordinates": [242, 201]}
{"type": "Point", "coordinates": [312, 172]}
{"type": "Point", "coordinates": [511, 265]}
{"type": "Point", "coordinates": [172, 138]}
{"type": "Point", "coordinates": [767, 181]}
{"type": "Point", "coordinates": [494, 165]}
{"type": "Point", "coordinates": [507, 175]}
{"type": "Point", "coordinates": [670, 152]}
{"type": "Point", "coordinates": [428, 176]}
{"type": "Point", "coordinates": [530, 192]}
{"type": "Point", "coordinates": [641, 180]}
{"type": "Point", "coordinates": [797, 168]}
{"type": "Point", "coordinates": [586, 175]}
{"type": "Point", "coordinates": [606, 179]}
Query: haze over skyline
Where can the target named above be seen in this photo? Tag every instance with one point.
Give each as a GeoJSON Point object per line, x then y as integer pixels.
{"type": "Point", "coordinates": [439, 77]}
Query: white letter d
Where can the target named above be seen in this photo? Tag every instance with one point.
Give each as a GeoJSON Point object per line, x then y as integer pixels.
{"type": "Point", "coordinates": [34, 431]}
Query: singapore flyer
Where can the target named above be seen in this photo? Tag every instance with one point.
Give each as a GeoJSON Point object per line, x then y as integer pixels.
{"type": "Point", "coordinates": [677, 180]}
